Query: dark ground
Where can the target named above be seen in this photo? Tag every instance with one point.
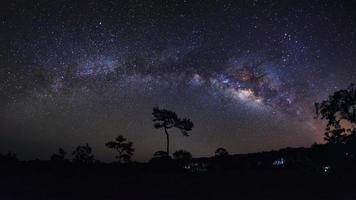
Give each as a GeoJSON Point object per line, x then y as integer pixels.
{"type": "Point", "coordinates": [44, 180]}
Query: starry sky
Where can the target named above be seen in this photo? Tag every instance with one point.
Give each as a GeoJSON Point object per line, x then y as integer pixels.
{"type": "Point", "coordinates": [247, 73]}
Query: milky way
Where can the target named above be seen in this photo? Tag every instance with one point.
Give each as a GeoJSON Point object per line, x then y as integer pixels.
{"type": "Point", "coordinates": [246, 73]}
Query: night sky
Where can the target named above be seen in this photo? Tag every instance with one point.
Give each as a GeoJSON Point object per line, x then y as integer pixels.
{"type": "Point", "coordinates": [247, 73]}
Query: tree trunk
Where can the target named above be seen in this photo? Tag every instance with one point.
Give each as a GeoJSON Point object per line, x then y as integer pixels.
{"type": "Point", "coordinates": [167, 135]}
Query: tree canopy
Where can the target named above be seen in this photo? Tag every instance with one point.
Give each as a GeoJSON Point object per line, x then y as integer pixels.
{"type": "Point", "coordinates": [168, 119]}
{"type": "Point", "coordinates": [339, 110]}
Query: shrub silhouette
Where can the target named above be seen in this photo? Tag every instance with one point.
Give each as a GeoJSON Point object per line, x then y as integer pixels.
{"type": "Point", "coordinates": [60, 156]}
{"type": "Point", "coordinates": [221, 152]}
{"type": "Point", "coordinates": [160, 156]}
{"type": "Point", "coordinates": [83, 155]}
{"type": "Point", "coordinates": [9, 157]}
{"type": "Point", "coordinates": [182, 155]}
{"type": "Point", "coordinates": [167, 119]}
{"type": "Point", "coordinates": [123, 147]}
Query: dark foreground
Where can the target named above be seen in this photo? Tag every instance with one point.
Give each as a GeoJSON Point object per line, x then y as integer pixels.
{"type": "Point", "coordinates": [44, 180]}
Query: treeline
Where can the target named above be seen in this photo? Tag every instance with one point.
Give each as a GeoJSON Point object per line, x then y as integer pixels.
{"type": "Point", "coordinates": [338, 151]}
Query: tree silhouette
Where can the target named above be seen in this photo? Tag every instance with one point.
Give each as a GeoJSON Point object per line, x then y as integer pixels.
{"type": "Point", "coordinates": [167, 119]}
{"type": "Point", "coordinates": [339, 110]}
{"type": "Point", "coordinates": [60, 156]}
{"type": "Point", "coordinates": [182, 155]}
{"type": "Point", "coordinates": [83, 154]}
{"type": "Point", "coordinates": [123, 147]}
{"type": "Point", "coordinates": [220, 152]}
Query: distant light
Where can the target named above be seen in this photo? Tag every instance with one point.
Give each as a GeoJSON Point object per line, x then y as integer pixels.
{"type": "Point", "coordinates": [279, 162]}
{"type": "Point", "coordinates": [196, 167]}
{"type": "Point", "coordinates": [326, 169]}
{"type": "Point", "coordinates": [349, 155]}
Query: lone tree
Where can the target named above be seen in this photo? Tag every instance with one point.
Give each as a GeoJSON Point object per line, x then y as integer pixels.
{"type": "Point", "coordinates": [123, 147]}
{"type": "Point", "coordinates": [221, 152]}
{"type": "Point", "coordinates": [182, 155]}
{"type": "Point", "coordinates": [83, 154]}
{"type": "Point", "coordinates": [339, 110]}
{"type": "Point", "coordinates": [167, 119]}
